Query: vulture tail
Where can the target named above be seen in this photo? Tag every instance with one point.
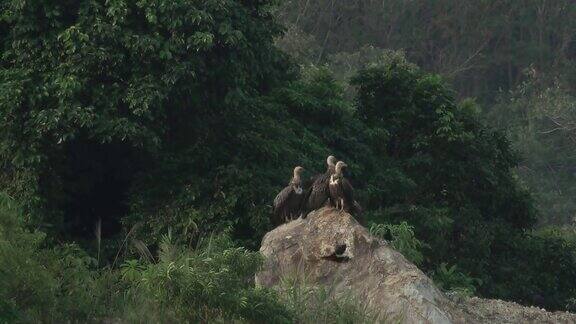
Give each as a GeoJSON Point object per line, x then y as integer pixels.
{"type": "Point", "coordinates": [304, 203]}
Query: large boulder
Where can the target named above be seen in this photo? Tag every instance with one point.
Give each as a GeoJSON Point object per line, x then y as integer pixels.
{"type": "Point", "coordinates": [331, 248]}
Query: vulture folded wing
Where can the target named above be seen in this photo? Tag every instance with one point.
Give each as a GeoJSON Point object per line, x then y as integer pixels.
{"type": "Point", "coordinates": [348, 190]}
{"type": "Point", "coordinates": [310, 181]}
{"type": "Point", "coordinates": [318, 193]}
{"type": "Point", "coordinates": [282, 198]}
{"type": "Point", "coordinates": [307, 192]}
{"type": "Point", "coordinates": [280, 205]}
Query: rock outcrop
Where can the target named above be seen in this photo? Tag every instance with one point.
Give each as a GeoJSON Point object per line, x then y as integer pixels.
{"type": "Point", "coordinates": [331, 248]}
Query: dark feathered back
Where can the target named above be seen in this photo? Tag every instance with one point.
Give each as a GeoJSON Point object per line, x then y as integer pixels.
{"type": "Point", "coordinates": [318, 192]}
{"type": "Point", "coordinates": [355, 208]}
{"type": "Point", "coordinates": [288, 203]}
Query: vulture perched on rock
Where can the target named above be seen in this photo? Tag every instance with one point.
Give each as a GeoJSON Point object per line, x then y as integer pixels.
{"type": "Point", "coordinates": [317, 193]}
{"type": "Point", "coordinates": [341, 191]}
{"type": "Point", "coordinates": [288, 203]}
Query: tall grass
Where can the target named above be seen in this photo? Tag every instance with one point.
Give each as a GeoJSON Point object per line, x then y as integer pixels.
{"type": "Point", "coordinates": [319, 304]}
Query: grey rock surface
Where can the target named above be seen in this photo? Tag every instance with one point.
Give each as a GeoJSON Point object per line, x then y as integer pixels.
{"type": "Point", "coordinates": [331, 248]}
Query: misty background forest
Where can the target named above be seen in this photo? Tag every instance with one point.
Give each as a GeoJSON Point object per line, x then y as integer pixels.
{"type": "Point", "coordinates": [142, 143]}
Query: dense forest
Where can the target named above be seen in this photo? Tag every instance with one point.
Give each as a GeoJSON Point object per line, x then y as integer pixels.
{"type": "Point", "coordinates": [516, 59]}
{"type": "Point", "coordinates": [142, 143]}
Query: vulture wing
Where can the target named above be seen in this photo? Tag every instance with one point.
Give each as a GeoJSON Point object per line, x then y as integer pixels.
{"type": "Point", "coordinates": [281, 199]}
{"type": "Point", "coordinates": [308, 184]}
{"type": "Point", "coordinates": [319, 192]}
{"type": "Point", "coordinates": [348, 190]}
{"type": "Point", "coordinates": [287, 205]}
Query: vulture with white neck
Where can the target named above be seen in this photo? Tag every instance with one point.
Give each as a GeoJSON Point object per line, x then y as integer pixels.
{"type": "Point", "coordinates": [317, 193]}
{"type": "Point", "coordinates": [342, 192]}
{"type": "Point", "coordinates": [288, 203]}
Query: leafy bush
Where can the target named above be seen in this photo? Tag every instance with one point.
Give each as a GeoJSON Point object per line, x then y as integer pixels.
{"type": "Point", "coordinates": [536, 268]}
{"type": "Point", "coordinates": [538, 116]}
{"type": "Point", "coordinates": [212, 283]}
{"type": "Point", "coordinates": [402, 238]}
{"type": "Point", "coordinates": [317, 304]}
{"type": "Point", "coordinates": [39, 284]}
{"type": "Point", "coordinates": [450, 279]}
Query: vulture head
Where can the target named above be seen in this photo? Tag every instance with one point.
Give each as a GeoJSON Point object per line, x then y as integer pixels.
{"type": "Point", "coordinates": [340, 166]}
{"type": "Point", "coordinates": [298, 171]}
{"type": "Point", "coordinates": [331, 162]}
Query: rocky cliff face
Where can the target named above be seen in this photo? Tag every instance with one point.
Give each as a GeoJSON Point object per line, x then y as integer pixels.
{"type": "Point", "coordinates": [331, 248]}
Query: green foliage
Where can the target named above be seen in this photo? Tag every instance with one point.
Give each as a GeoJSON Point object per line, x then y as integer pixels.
{"type": "Point", "coordinates": [212, 187]}
{"type": "Point", "coordinates": [567, 233]}
{"type": "Point", "coordinates": [116, 86]}
{"type": "Point", "coordinates": [538, 117]}
{"type": "Point", "coordinates": [402, 238]}
{"type": "Point", "coordinates": [38, 284]}
{"type": "Point", "coordinates": [484, 49]}
{"type": "Point", "coordinates": [317, 304]}
{"type": "Point", "coordinates": [480, 46]}
{"type": "Point", "coordinates": [453, 173]}
{"type": "Point", "coordinates": [449, 278]}
{"type": "Point", "coordinates": [543, 264]}
{"type": "Point", "coordinates": [454, 182]}
{"type": "Point", "coordinates": [212, 283]}
{"type": "Point", "coordinates": [571, 305]}
{"type": "Point", "coordinates": [182, 116]}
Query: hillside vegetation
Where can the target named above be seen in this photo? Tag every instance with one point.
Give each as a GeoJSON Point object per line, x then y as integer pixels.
{"type": "Point", "coordinates": [517, 59]}
{"type": "Point", "coordinates": [142, 142]}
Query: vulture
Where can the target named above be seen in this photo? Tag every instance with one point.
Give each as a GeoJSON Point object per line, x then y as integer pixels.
{"type": "Point", "coordinates": [341, 191]}
{"type": "Point", "coordinates": [317, 193]}
{"type": "Point", "coordinates": [288, 203]}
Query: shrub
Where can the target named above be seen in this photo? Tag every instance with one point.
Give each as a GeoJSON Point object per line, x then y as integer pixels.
{"type": "Point", "coordinates": [213, 282]}
{"type": "Point", "coordinates": [402, 238]}
{"type": "Point", "coordinates": [40, 284]}
{"type": "Point", "coordinates": [450, 279]}
{"type": "Point", "coordinates": [317, 304]}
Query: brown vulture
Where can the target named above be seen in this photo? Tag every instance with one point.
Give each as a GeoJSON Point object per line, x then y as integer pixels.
{"type": "Point", "coordinates": [342, 192]}
{"type": "Point", "coordinates": [288, 203]}
{"type": "Point", "coordinates": [317, 193]}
